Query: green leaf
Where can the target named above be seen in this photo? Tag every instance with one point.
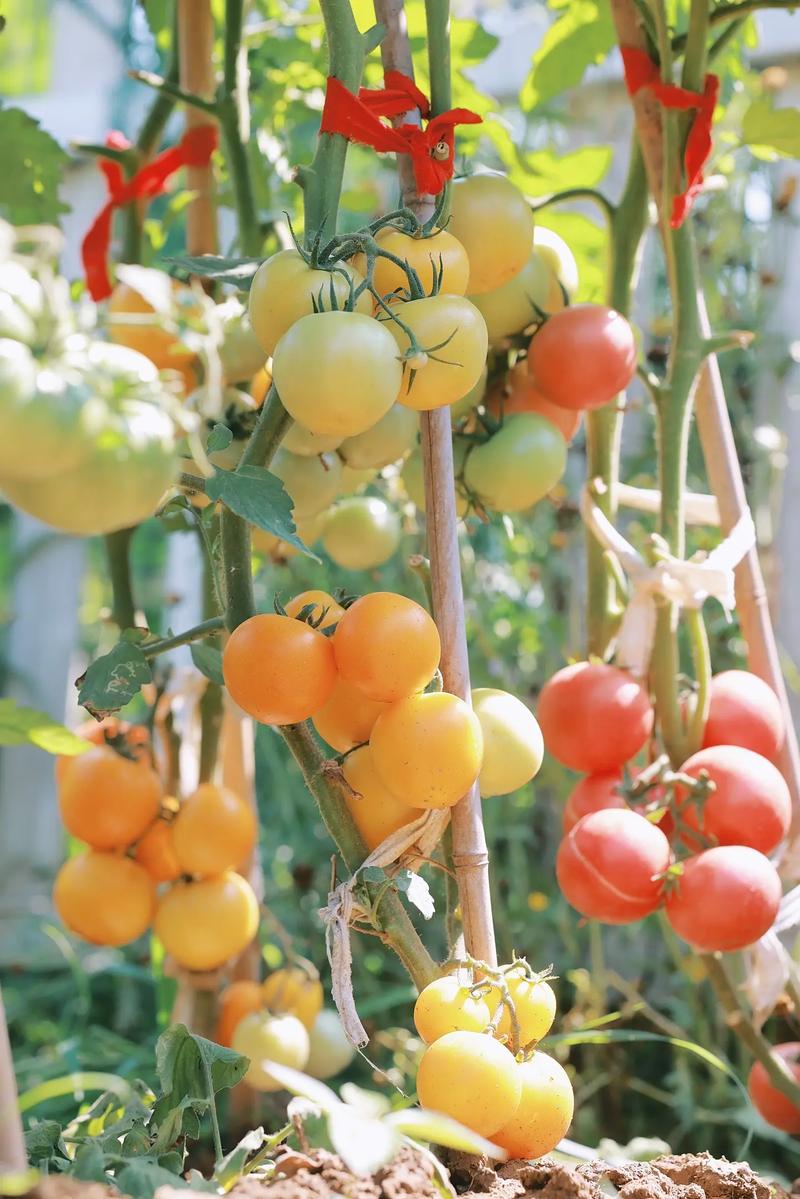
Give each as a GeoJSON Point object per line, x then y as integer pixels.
{"type": "Point", "coordinates": [113, 679]}
{"type": "Point", "coordinates": [237, 271]}
{"type": "Point", "coordinates": [229, 1169]}
{"type": "Point", "coordinates": [20, 726]}
{"type": "Point", "coordinates": [774, 130]}
{"type": "Point", "coordinates": [141, 1179]}
{"type": "Point", "coordinates": [260, 498]}
{"type": "Point", "coordinates": [363, 1143]}
{"type": "Point", "coordinates": [581, 37]}
{"type": "Point", "coordinates": [33, 166]}
{"type": "Point", "coordinates": [89, 1163]}
{"type": "Point", "coordinates": [184, 1062]}
{"type": "Point", "coordinates": [424, 1125]}
{"type": "Point", "coordinates": [178, 1122]}
{"type": "Point", "coordinates": [546, 171]}
{"type": "Point", "coordinates": [219, 438]}
{"type": "Point", "coordinates": [208, 660]}
{"type": "Point", "coordinates": [43, 1142]}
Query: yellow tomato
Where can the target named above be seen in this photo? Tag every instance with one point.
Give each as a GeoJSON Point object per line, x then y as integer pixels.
{"type": "Point", "coordinates": [452, 334]}
{"type": "Point", "coordinates": [329, 1050]}
{"type": "Point", "coordinates": [534, 1005]}
{"type": "Point", "coordinates": [215, 830]}
{"type": "Point", "coordinates": [312, 483]}
{"type": "Point", "coordinates": [376, 811]}
{"type": "Point", "coordinates": [361, 532]}
{"type": "Point", "coordinates": [493, 221]}
{"type": "Point", "coordinates": [264, 1039]}
{"type": "Point", "coordinates": [391, 438]}
{"type": "Point", "coordinates": [472, 1078]}
{"type": "Point", "coordinates": [544, 1112]}
{"type": "Point", "coordinates": [204, 924]}
{"type": "Point", "coordinates": [513, 747]}
{"type": "Point", "coordinates": [512, 307]}
{"type": "Point", "coordinates": [293, 990]}
{"type": "Point", "coordinates": [556, 253]}
{"type": "Point", "coordinates": [445, 1005]}
{"type": "Point", "coordinates": [426, 255]}
{"type": "Point", "coordinates": [302, 441]}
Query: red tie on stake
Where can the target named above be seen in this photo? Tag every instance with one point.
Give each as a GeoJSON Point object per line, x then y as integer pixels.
{"type": "Point", "coordinates": [641, 71]}
{"type": "Point", "coordinates": [194, 149]}
{"type": "Point", "coordinates": [358, 119]}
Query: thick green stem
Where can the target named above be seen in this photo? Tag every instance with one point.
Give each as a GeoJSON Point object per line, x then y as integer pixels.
{"type": "Point", "coordinates": [212, 707]}
{"type": "Point", "coordinates": [437, 16]}
{"type": "Point", "coordinates": [328, 788]}
{"type": "Point", "coordinates": [234, 118]}
{"type": "Point", "coordinates": [270, 429]}
{"type": "Point", "coordinates": [118, 549]}
{"type": "Point", "coordinates": [236, 554]}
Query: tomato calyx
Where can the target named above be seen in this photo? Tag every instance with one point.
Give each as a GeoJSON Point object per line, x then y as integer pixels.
{"type": "Point", "coordinates": [487, 981]}
{"type": "Point", "coordinates": [313, 614]}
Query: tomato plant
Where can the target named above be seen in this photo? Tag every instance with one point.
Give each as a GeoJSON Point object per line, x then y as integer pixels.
{"type": "Point", "coordinates": [744, 710]}
{"type": "Point", "coordinates": [494, 223]}
{"type": "Point", "coordinates": [376, 810]}
{"type": "Point", "coordinates": [223, 906]}
{"type": "Point", "coordinates": [105, 898]}
{"type": "Point", "coordinates": [472, 1078]}
{"type": "Point", "coordinates": [518, 465]}
{"type": "Point", "coordinates": [387, 646]}
{"type": "Point", "coordinates": [451, 335]}
{"type": "Point", "coordinates": [750, 803]}
{"type": "Point", "coordinates": [215, 830]}
{"type": "Point", "coordinates": [448, 1005]}
{"type": "Point", "coordinates": [285, 288]}
{"type": "Point", "coordinates": [544, 1112]}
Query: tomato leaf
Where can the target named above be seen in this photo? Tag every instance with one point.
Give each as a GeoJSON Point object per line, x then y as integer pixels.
{"type": "Point", "coordinates": [21, 726]}
{"type": "Point", "coordinates": [425, 1125]}
{"type": "Point", "coordinates": [581, 37]}
{"type": "Point", "coordinates": [208, 660]}
{"type": "Point", "coordinates": [219, 438]}
{"type": "Point", "coordinates": [184, 1063]}
{"type": "Point", "coordinates": [33, 167]}
{"type": "Point", "coordinates": [230, 1167]}
{"type": "Point", "coordinates": [238, 271]}
{"type": "Point", "coordinates": [774, 130]}
{"type": "Point", "coordinates": [113, 679]}
{"type": "Point", "coordinates": [363, 1143]}
{"type": "Point", "coordinates": [416, 891]}
{"type": "Point", "coordinates": [141, 1179]}
{"type": "Point", "coordinates": [260, 498]}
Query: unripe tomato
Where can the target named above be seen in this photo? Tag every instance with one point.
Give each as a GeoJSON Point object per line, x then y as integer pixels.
{"type": "Point", "coordinates": [494, 223]}
{"type": "Point", "coordinates": [428, 749]}
{"type": "Point", "coordinates": [594, 793]}
{"type": "Point", "coordinates": [361, 532]}
{"type": "Point", "coordinates": [727, 897]}
{"type": "Point", "coordinates": [354, 481]}
{"type": "Point", "coordinates": [391, 438]}
{"type": "Point", "coordinates": [326, 610]}
{"type": "Point", "coordinates": [534, 1006]}
{"type": "Point", "coordinates": [108, 801]}
{"type": "Point", "coordinates": [387, 645]}
{"type": "Point", "coordinates": [545, 1109]}
{"type": "Point", "coordinates": [214, 830]}
{"type": "Point", "coordinates": [264, 1039]}
{"type": "Point", "coordinates": [583, 357]}
{"type": "Point", "coordinates": [156, 852]}
{"type": "Point", "coordinates": [512, 307]}
{"type": "Point", "coordinates": [472, 1078]}
{"type": "Point", "coordinates": [377, 812]}
{"type": "Point", "coordinates": [518, 393]}
{"type": "Point", "coordinates": [440, 251]}
{"type": "Point", "coordinates": [104, 898]}
{"type": "Point", "coordinates": [278, 670]}
{"type": "Point", "coordinates": [769, 1102]}
{"type": "Point", "coordinates": [307, 444]}
{"type": "Point", "coordinates": [609, 866]}
{"type": "Point", "coordinates": [312, 483]}
{"type": "Point", "coordinates": [347, 718]}
{"type": "Point", "coordinates": [455, 326]}
{"type": "Point", "coordinates": [553, 250]}
{"type": "Point", "coordinates": [512, 741]}
{"type": "Point", "coordinates": [293, 990]}
{"type": "Point", "coordinates": [518, 465]}
{"type": "Point", "coordinates": [240, 999]}
{"type": "Point", "coordinates": [744, 710]}
{"type": "Point", "coordinates": [750, 805]}
{"type": "Point", "coordinates": [445, 1005]}
{"type": "Point", "coordinates": [462, 408]}
{"type": "Point", "coordinates": [203, 924]}
{"type": "Point", "coordinates": [413, 477]}
{"type": "Point", "coordinates": [594, 717]}
{"type": "Point", "coordinates": [241, 353]}
{"type": "Point", "coordinates": [284, 289]}
{"type": "Point", "coordinates": [160, 345]}
{"type": "Point", "coordinates": [337, 372]}
{"type": "Point", "coordinates": [329, 1051]}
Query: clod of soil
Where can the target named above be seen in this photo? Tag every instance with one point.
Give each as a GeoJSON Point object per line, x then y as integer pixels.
{"type": "Point", "coordinates": [61, 1186]}
{"type": "Point", "coordinates": [320, 1174]}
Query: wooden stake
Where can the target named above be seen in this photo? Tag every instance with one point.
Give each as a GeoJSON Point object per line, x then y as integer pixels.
{"type": "Point", "coordinates": [196, 49]}
{"type": "Point", "coordinates": [13, 1158]}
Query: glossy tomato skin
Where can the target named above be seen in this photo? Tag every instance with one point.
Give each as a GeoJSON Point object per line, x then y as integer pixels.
{"type": "Point", "coordinates": [511, 308]}
{"type": "Point", "coordinates": [453, 368]}
{"type": "Point", "coordinates": [428, 749]}
{"type": "Point", "coordinates": [361, 532]}
{"type": "Point", "coordinates": [769, 1102]}
{"type": "Point", "coordinates": [387, 645]}
{"type": "Point", "coordinates": [750, 805]}
{"type": "Point", "coordinates": [427, 255]}
{"type": "Point", "coordinates": [446, 1005]}
{"type": "Point", "coordinates": [518, 393]}
{"type": "Point", "coordinates": [544, 1112]}
{"type": "Point", "coordinates": [306, 444]}
{"type": "Point", "coordinates": [156, 853]}
{"type": "Point", "coordinates": [337, 372]}
{"type": "Point", "coordinates": [347, 717]}
{"type": "Point", "coordinates": [107, 800]}
{"type": "Point", "coordinates": [594, 717]}
{"type": "Point", "coordinates": [584, 356]}
{"type": "Point", "coordinates": [727, 897]}
{"type": "Point", "coordinates": [202, 924]}
{"type": "Point", "coordinates": [263, 1039]}
{"type": "Point", "coordinates": [744, 710]}
{"type": "Point", "coordinates": [389, 440]}
{"type": "Point", "coordinates": [329, 1051]}
{"type": "Point", "coordinates": [278, 670]}
{"type": "Point", "coordinates": [553, 250]}
{"type": "Point", "coordinates": [292, 990]}
{"type": "Point", "coordinates": [104, 898]}
{"type": "Point", "coordinates": [534, 1003]}
{"type": "Point", "coordinates": [376, 811]}
{"type": "Point", "coordinates": [284, 289]}
{"type": "Point", "coordinates": [215, 830]}
{"type": "Point", "coordinates": [594, 793]}
{"type": "Point", "coordinates": [494, 223]}
{"type": "Point", "coordinates": [608, 866]}
{"type": "Point", "coordinates": [512, 741]}
{"type": "Point", "coordinates": [240, 999]}
{"type": "Point", "coordinates": [472, 1078]}
{"type": "Point", "coordinates": [518, 465]}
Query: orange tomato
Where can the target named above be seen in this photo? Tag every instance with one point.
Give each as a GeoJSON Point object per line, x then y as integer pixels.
{"type": "Point", "coordinates": [293, 990]}
{"type": "Point", "coordinates": [518, 393]}
{"type": "Point", "coordinates": [377, 812]}
{"type": "Point", "coordinates": [347, 717]}
{"type": "Point", "coordinates": [158, 344]}
{"type": "Point", "coordinates": [203, 924]}
{"type": "Point", "coordinates": [215, 830]}
{"type": "Point", "coordinates": [104, 898]}
{"type": "Point", "coordinates": [108, 801]}
{"type": "Point", "coordinates": [387, 646]}
{"type": "Point", "coordinates": [278, 670]}
{"type": "Point", "coordinates": [323, 603]}
{"type": "Point", "coordinates": [238, 1000]}
{"type": "Point", "coordinates": [156, 852]}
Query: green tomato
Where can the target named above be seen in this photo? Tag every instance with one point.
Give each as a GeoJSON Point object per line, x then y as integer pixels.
{"type": "Point", "coordinates": [509, 309]}
{"type": "Point", "coordinates": [361, 532]}
{"type": "Point", "coordinates": [312, 483]}
{"type": "Point", "coordinates": [241, 353]}
{"type": "Point", "coordinates": [391, 438]}
{"type": "Point", "coordinates": [513, 746]}
{"type": "Point", "coordinates": [263, 1039]}
{"type": "Point", "coordinates": [302, 441]}
{"type": "Point", "coordinates": [330, 1052]}
{"type": "Point", "coordinates": [414, 479]}
{"type": "Point", "coordinates": [354, 481]}
{"type": "Point", "coordinates": [518, 465]}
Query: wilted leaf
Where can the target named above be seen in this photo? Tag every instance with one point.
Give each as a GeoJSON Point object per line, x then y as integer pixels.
{"type": "Point", "coordinates": [114, 679]}
{"type": "Point", "coordinates": [363, 1143]}
{"type": "Point", "coordinates": [20, 725]}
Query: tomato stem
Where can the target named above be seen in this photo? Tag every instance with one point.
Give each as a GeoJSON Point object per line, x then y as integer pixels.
{"type": "Point", "coordinates": [118, 550]}
{"type": "Point", "coordinates": [197, 633]}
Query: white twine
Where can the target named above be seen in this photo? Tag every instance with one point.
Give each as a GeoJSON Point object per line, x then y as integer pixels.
{"type": "Point", "coordinates": [688, 583]}
{"type": "Point", "coordinates": [404, 849]}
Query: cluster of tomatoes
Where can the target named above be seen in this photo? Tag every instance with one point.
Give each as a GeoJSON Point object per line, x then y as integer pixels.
{"type": "Point", "coordinates": [699, 844]}
{"type": "Point", "coordinates": [137, 840]}
{"type": "Point", "coordinates": [482, 1066]}
{"type": "Point", "coordinates": [360, 673]}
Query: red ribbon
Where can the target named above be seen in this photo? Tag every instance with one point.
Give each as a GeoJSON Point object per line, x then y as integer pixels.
{"type": "Point", "coordinates": [358, 119]}
{"type": "Point", "coordinates": [641, 71]}
{"type": "Point", "coordinates": [194, 150]}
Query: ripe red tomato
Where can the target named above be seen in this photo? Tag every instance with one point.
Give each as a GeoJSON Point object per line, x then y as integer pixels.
{"type": "Point", "coordinates": [744, 710]}
{"type": "Point", "coordinates": [594, 717]}
{"type": "Point", "coordinates": [727, 898]}
{"type": "Point", "coordinates": [594, 793]}
{"type": "Point", "coordinates": [583, 356]}
{"type": "Point", "coordinates": [776, 1109]}
{"type": "Point", "coordinates": [751, 804]}
{"type": "Point", "coordinates": [608, 866]}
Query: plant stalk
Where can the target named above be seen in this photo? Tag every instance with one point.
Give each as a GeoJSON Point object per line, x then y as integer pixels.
{"type": "Point", "coordinates": [118, 550]}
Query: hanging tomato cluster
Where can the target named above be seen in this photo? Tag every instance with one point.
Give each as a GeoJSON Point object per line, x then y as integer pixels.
{"type": "Point", "coordinates": [137, 840]}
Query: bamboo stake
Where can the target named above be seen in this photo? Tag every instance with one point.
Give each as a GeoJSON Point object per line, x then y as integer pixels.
{"type": "Point", "coordinates": [470, 852]}
{"type": "Point", "coordinates": [13, 1158]}
{"type": "Point", "coordinates": [196, 75]}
